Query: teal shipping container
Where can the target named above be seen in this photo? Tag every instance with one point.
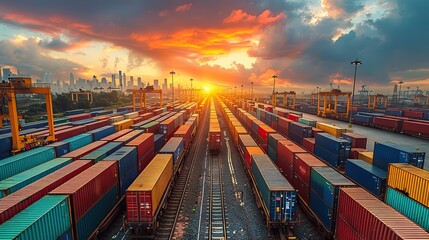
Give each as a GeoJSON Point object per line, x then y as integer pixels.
{"type": "Point", "coordinates": [21, 180]}
{"type": "Point", "coordinates": [307, 122]}
{"type": "Point", "coordinates": [61, 120]}
{"type": "Point", "coordinates": [103, 152]}
{"type": "Point", "coordinates": [88, 222]}
{"type": "Point", "coordinates": [46, 219]}
{"type": "Point", "coordinates": [412, 209]}
{"type": "Point", "coordinates": [79, 141]}
{"type": "Point", "coordinates": [21, 162]}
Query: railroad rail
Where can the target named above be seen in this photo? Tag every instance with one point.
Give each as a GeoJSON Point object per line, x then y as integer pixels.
{"type": "Point", "coordinates": [217, 216]}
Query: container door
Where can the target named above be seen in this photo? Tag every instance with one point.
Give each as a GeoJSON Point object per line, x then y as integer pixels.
{"type": "Point", "coordinates": [145, 206]}
{"type": "Point", "coordinates": [132, 206]}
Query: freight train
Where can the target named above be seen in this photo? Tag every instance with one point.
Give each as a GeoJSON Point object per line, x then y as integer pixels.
{"type": "Point", "coordinates": [215, 134]}
{"type": "Point", "coordinates": [324, 193]}
{"type": "Point", "coordinates": [51, 183]}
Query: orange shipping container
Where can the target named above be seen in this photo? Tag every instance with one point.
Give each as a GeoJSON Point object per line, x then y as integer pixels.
{"type": "Point", "coordinates": [248, 155]}
{"type": "Point", "coordinates": [124, 124]}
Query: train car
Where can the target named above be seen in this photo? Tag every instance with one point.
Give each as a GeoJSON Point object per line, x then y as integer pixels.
{"type": "Point", "coordinates": [215, 133]}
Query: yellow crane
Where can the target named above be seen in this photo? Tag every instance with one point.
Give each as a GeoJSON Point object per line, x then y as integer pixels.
{"type": "Point", "coordinates": [23, 85]}
{"type": "Point", "coordinates": [142, 96]}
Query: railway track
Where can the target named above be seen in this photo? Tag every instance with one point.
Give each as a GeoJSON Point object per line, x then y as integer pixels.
{"type": "Point", "coordinates": [167, 229]}
{"type": "Point", "coordinates": [217, 217]}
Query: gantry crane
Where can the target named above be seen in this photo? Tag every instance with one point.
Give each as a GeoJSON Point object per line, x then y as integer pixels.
{"type": "Point", "coordinates": [418, 99]}
{"type": "Point", "coordinates": [374, 100]}
{"type": "Point", "coordinates": [285, 102]}
{"type": "Point", "coordinates": [327, 111]}
{"type": "Point", "coordinates": [23, 85]}
{"type": "Point", "coordinates": [75, 95]}
{"type": "Point", "coordinates": [142, 96]}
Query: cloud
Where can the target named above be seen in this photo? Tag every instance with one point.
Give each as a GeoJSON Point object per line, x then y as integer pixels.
{"type": "Point", "coordinates": [184, 7]}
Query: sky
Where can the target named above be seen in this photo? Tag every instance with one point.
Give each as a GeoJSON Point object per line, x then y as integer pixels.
{"type": "Point", "coordinates": [222, 43]}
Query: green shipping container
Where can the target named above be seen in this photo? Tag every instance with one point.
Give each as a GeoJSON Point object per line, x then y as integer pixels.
{"type": "Point", "coordinates": [21, 180]}
{"type": "Point", "coordinates": [60, 120]}
{"type": "Point", "coordinates": [79, 141]}
{"type": "Point", "coordinates": [307, 122]}
{"type": "Point", "coordinates": [415, 211]}
{"type": "Point", "coordinates": [149, 125]}
{"type": "Point", "coordinates": [16, 164]}
{"type": "Point", "coordinates": [45, 219]}
{"type": "Point", "coordinates": [102, 152]}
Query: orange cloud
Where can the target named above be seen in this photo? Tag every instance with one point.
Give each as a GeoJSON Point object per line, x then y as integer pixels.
{"type": "Point", "coordinates": [184, 7]}
{"type": "Point", "coordinates": [264, 18]}
{"type": "Point", "coordinates": [339, 79]}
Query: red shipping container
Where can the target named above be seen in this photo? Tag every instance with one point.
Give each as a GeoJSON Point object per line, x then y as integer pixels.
{"type": "Point", "coordinates": [116, 135]}
{"type": "Point", "coordinates": [157, 111]}
{"type": "Point", "coordinates": [24, 197]}
{"type": "Point", "coordinates": [293, 117]}
{"type": "Point", "coordinates": [137, 120]}
{"type": "Point", "coordinates": [285, 153]}
{"type": "Point", "coordinates": [97, 124]}
{"type": "Point", "coordinates": [69, 132]}
{"type": "Point", "coordinates": [80, 152]}
{"type": "Point", "coordinates": [413, 114]}
{"type": "Point", "coordinates": [308, 144]}
{"type": "Point", "coordinates": [269, 109]}
{"type": "Point", "coordinates": [184, 131]}
{"type": "Point", "coordinates": [283, 114]}
{"type": "Point", "coordinates": [357, 140]}
{"type": "Point", "coordinates": [145, 149]}
{"type": "Point", "coordinates": [78, 117]}
{"type": "Point", "coordinates": [316, 131]}
{"type": "Point", "coordinates": [283, 126]}
{"type": "Point", "coordinates": [46, 132]}
{"type": "Point", "coordinates": [354, 152]}
{"type": "Point", "coordinates": [302, 164]}
{"type": "Point", "coordinates": [345, 231]}
{"type": "Point", "coordinates": [129, 136]}
{"type": "Point", "coordinates": [373, 219]}
{"type": "Point", "coordinates": [302, 188]}
{"type": "Point", "coordinates": [153, 129]}
{"type": "Point", "coordinates": [390, 124]}
{"type": "Point", "coordinates": [88, 187]}
{"type": "Point", "coordinates": [416, 128]}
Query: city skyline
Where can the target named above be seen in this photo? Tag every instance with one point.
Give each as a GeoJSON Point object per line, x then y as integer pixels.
{"type": "Point", "coordinates": [307, 44]}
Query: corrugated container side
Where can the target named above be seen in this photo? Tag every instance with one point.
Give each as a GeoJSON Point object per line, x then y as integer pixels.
{"type": "Point", "coordinates": [47, 218]}
{"type": "Point", "coordinates": [78, 153]}
{"type": "Point", "coordinates": [116, 135]}
{"type": "Point", "coordinates": [344, 231]}
{"type": "Point", "coordinates": [61, 148]}
{"type": "Point", "coordinates": [387, 152]}
{"type": "Point", "coordinates": [79, 141]}
{"type": "Point", "coordinates": [103, 151]}
{"type": "Point", "coordinates": [285, 153]}
{"type": "Point", "coordinates": [19, 200]}
{"type": "Point", "coordinates": [368, 176]}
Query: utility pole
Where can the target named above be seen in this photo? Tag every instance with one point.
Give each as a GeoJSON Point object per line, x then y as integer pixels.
{"type": "Point", "coordinates": [356, 63]}
{"type": "Point", "coordinates": [252, 91]}
{"type": "Point", "coordinates": [242, 96]}
{"type": "Point", "coordinates": [191, 88]}
{"type": "Point", "coordinates": [172, 81]}
{"type": "Point", "coordinates": [399, 98]}
{"type": "Point", "coordinates": [274, 90]}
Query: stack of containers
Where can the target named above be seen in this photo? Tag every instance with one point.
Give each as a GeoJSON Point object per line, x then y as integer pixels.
{"type": "Point", "coordinates": [145, 149]}
{"type": "Point", "coordinates": [152, 127]}
{"type": "Point", "coordinates": [356, 140]}
{"type": "Point", "coordinates": [299, 131]}
{"type": "Point", "coordinates": [273, 139]}
{"type": "Point", "coordinates": [387, 152]}
{"type": "Point", "coordinates": [60, 148]}
{"type": "Point", "coordinates": [283, 125]}
{"type": "Point", "coordinates": [331, 129]}
{"type": "Point", "coordinates": [275, 190]}
{"type": "Point", "coordinates": [19, 200]}
{"type": "Point", "coordinates": [126, 162]}
{"type": "Point", "coordinates": [308, 144]}
{"type": "Point", "coordinates": [18, 181]}
{"type": "Point", "coordinates": [365, 156]}
{"type": "Point", "coordinates": [167, 128]}
{"type": "Point", "coordinates": [389, 124]}
{"type": "Point", "coordinates": [184, 131]}
{"type": "Point", "coordinates": [129, 136]}
{"type": "Point", "coordinates": [102, 132]}
{"type": "Point", "coordinates": [78, 153]}
{"type": "Point", "coordinates": [325, 184]}
{"type": "Point", "coordinates": [308, 122]}
{"type": "Point", "coordinates": [263, 131]}
{"type": "Point", "coordinates": [407, 192]}
{"type": "Point", "coordinates": [362, 216]}
{"type": "Point", "coordinates": [244, 141]}
{"type": "Point", "coordinates": [159, 141]}
{"type": "Point", "coordinates": [79, 141]}
{"type": "Point", "coordinates": [97, 124]}
{"type": "Point", "coordinates": [116, 135]}
{"type": "Point", "coordinates": [302, 164]}
{"type": "Point", "coordinates": [88, 210]}
{"type": "Point", "coordinates": [124, 124]}
{"type": "Point", "coordinates": [333, 150]}
{"type": "Point", "coordinates": [368, 176]}
{"type": "Point", "coordinates": [285, 151]}
{"type": "Point", "coordinates": [174, 146]}
{"type": "Point", "coordinates": [103, 151]}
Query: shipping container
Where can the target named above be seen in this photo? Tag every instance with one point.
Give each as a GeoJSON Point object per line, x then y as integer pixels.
{"type": "Point", "coordinates": [18, 181]}
{"type": "Point", "coordinates": [248, 152]}
{"type": "Point", "coordinates": [144, 195]}
{"type": "Point", "coordinates": [102, 132]}
{"type": "Point", "coordinates": [298, 131]}
{"type": "Point", "coordinates": [16, 164]}
{"type": "Point", "coordinates": [174, 146]}
{"type": "Point", "coordinates": [389, 124]}
{"type": "Point", "coordinates": [356, 140]}
{"type": "Point", "coordinates": [366, 156]}
{"type": "Point", "coordinates": [273, 139]}
{"type": "Point", "coordinates": [102, 152]}
{"type": "Point", "coordinates": [410, 180]}
{"type": "Point", "coordinates": [129, 136]}
{"type": "Point", "coordinates": [116, 135]}
{"type": "Point", "coordinates": [60, 148]}
{"type": "Point", "coordinates": [387, 152]}
{"type": "Point", "coordinates": [308, 122]}
{"type": "Point", "coordinates": [315, 131]}
{"type": "Point", "coordinates": [47, 219]}
{"type": "Point", "coordinates": [412, 209]}
{"type": "Point", "coordinates": [285, 154]}
{"type": "Point", "coordinates": [97, 180]}
{"type": "Point", "coordinates": [325, 184]}
{"type": "Point", "coordinates": [373, 219]}
{"type": "Point", "coordinates": [79, 141]}
{"type": "Point", "coordinates": [308, 144]}
{"type": "Point", "coordinates": [278, 195]}
{"type": "Point", "coordinates": [19, 200]}
{"type": "Point", "coordinates": [78, 153]}
{"type": "Point", "coordinates": [333, 150]}
{"type": "Point", "coordinates": [159, 141]}
{"type": "Point", "coordinates": [152, 127]}
{"type": "Point", "coordinates": [244, 141]}
{"type": "Point", "coordinates": [145, 149]}
{"type": "Point", "coordinates": [124, 124]}
{"type": "Point", "coordinates": [368, 176]}
{"type": "Point", "coordinates": [331, 129]}
{"type": "Point", "coordinates": [184, 131]}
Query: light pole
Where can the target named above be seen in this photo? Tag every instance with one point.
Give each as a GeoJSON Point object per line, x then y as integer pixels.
{"type": "Point", "coordinates": [252, 91]}
{"type": "Point", "coordinates": [399, 98]}
{"type": "Point", "coordinates": [274, 90]}
{"type": "Point", "coordinates": [172, 81]}
{"type": "Point", "coordinates": [356, 63]}
{"type": "Point", "coordinates": [191, 88]}
{"type": "Point", "coordinates": [235, 92]}
{"type": "Point", "coordinates": [242, 96]}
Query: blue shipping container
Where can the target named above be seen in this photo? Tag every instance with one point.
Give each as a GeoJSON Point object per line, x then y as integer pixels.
{"type": "Point", "coordinates": [174, 146]}
{"type": "Point", "coordinates": [387, 152]}
{"type": "Point", "coordinates": [127, 164]}
{"type": "Point", "coordinates": [61, 148]}
{"type": "Point", "coordinates": [99, 133]}
{"type": "Point", "coordinates": [368, 176]}
{"type": "Point", "coordinates": [159, 141]}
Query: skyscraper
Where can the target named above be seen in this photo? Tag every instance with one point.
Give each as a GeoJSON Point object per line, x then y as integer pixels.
{"type": "Point", "coordinates": [71, 80]}
{"type": "Point", "coordinates": [131, 82]}
{"type": "Point", "coordinates": [155, 84]}
{"type": "Point", "coordinates": [124, 78]}
{"type": "Point", "coordinates": [6, 73]}
{"type": "Point", "coordinates": [114, 80]}
{"type": "Point", "coordinates": [120, 79]}
{"type": "Point", "coordinates": [47, 78]}
{"type": "Point", "coordinates": [139, 82]}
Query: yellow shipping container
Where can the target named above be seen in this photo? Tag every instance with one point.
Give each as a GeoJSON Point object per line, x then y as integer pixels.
{"type": "Point", "coordinates": [116, 119]}
{"type": "Point", "coordinates": [124, 124]}
{"type": "Point", "coordinates": [331, 129]}
{"type": "Point", "coordinates": [366, 156]}
{"type": "Point", "coordinates": [155, 178]}
{"type": "Point", "coordinates": [412, 181]}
